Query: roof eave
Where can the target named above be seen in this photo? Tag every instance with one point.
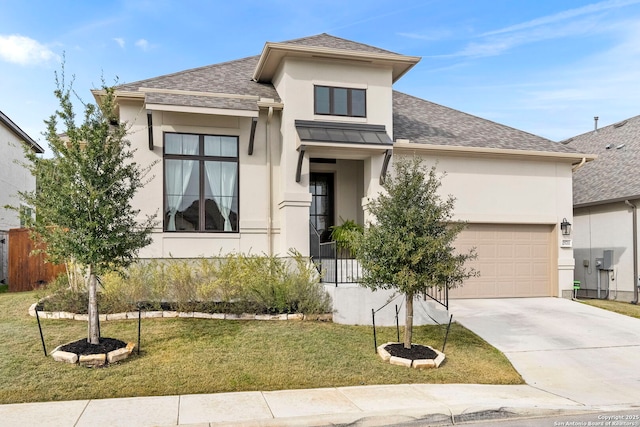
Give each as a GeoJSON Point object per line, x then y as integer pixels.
{"type": "Point", "coordinates": [606, 201]}
{"type": "Point", "coordinates": [273, 53]}
{"type": "Point", "coordinates": [573, 158]}
{"type": "Point", "coordinates": [20, 133]}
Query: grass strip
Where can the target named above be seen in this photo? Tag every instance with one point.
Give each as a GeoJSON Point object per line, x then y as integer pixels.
{"type": "Point", "coordinates": [187, 356]}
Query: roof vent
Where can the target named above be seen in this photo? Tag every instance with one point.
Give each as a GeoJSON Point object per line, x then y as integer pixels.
{"type": "Point", "coordinates": [595, 126]}
{"type": "Point", "coordinates": [608, 146]}
{"type": "Point", "coordinates": [620, 124]}
{"type": "Point", "coordinates": [620, 146]}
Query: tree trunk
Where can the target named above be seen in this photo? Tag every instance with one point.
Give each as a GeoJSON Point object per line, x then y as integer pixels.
{"type": "Point", "coordinates": [94, 328]}
{"type": "Point", "coordinates": [408, 322]}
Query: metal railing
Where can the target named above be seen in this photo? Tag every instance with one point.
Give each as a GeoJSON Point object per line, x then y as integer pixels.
{"type": "Point", "coordinates": [336, 266]}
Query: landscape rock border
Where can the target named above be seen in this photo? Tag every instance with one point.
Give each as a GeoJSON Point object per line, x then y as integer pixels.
{"type": "Point", "coordinates": [173, 314]}
{"type": "Point", "coordinates": [408, 363]}
{"type": "Point", "coordinates": [92, 360]}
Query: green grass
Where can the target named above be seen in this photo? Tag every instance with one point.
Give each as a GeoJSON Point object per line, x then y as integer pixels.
{"type": "Point", "coordinates": [4, 288]}
{"type": "Point", "coordinates": [185, 356]}
{"type": "Point", "coordinates": [625, 308]}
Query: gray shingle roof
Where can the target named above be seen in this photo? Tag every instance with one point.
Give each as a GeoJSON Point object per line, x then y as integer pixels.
{"type": "Point", "coordinates": [232, 77]}
{"type": "Point", "coordinates": [424, 122]}
{"type": "Point", "coordinates": [414, 119]}
{"type": "Point", "coordinates": [615, 174]}
{"type": "Point", "coordinates": [333, 42]}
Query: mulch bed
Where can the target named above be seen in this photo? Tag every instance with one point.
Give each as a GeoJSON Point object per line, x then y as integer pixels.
{"type": "Point", "coordinates": [83, 347]}
{"type": "Point", "coordinates": [416, 352]}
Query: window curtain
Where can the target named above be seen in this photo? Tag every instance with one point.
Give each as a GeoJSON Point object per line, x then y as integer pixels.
{"type": "Point", "coordinates": [222, 177]}
{"type": "Point", "coordinates": [177, 177]}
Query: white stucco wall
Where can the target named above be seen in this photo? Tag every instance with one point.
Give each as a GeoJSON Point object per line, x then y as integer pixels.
{"type": "Point", "coordinates": [599, 228]}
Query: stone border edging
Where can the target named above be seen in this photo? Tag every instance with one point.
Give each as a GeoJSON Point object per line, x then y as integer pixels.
{"type": "Point", "coordinates": [417, 364]}
{"type": "Point", "coordinates": [176, 314]}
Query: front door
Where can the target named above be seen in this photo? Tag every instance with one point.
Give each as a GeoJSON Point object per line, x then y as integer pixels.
{"type": "Point", "coordinates": [321, 211]}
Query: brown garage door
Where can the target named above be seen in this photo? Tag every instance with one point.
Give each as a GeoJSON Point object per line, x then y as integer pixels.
{"type": "Point", "coordinates": [513, 260]}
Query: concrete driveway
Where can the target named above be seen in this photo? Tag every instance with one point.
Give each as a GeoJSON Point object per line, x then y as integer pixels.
{"type": "Point", "coordinates": [579, 352]}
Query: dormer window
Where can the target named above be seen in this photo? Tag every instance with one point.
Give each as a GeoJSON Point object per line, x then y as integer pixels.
{"type": "Point", "coordinates": [340, 101]}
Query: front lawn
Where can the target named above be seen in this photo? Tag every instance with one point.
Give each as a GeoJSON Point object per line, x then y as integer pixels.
{"type": "Point", "coordinates": [625, 308]}
{"type": "Point", "coordinates": [187, 356]}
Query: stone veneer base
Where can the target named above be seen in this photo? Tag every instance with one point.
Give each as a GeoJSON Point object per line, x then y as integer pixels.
{"type": "Point", "coordinates": [174, 314]}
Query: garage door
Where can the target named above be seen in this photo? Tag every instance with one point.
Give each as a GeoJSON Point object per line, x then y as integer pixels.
{"type": "Point", "coordinates": [513, 260]}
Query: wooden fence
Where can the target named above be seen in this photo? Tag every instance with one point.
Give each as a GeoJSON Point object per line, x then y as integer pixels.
{"type": "Point", "coordinates": [27, 271]}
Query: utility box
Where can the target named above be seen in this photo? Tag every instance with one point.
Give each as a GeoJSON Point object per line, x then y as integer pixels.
{"type": "Point", "coordinates": [607, 260]}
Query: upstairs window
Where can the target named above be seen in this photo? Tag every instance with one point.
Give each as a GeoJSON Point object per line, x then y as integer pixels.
{"type": "Point", "coordinates": [200, 183]}
{"type": "Point", "coordinates": [340, 101]}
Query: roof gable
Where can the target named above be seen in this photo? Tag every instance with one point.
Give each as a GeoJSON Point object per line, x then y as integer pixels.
{"type": "Point", "coordinates": [333, 42]}
{"type": "Point", "coordinates": [615, 174]}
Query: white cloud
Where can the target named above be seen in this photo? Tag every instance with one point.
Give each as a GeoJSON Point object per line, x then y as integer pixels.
{"type": "Point", "coordinates": [143, 44]}
{"type": "Point", "coordinates": [24, 50]}
{"type": "Point", "coordinates": [586, 20]}
{"type": "Point", "coordinates": [564, 15]}
{"type": "Point", "coordinates": [120, 41]}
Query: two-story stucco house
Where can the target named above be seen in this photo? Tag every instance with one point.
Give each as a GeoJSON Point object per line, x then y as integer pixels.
{"type": "Point", "coordinates": [252, 151]}
{"type": "Point", "coordinates": [13, 178]}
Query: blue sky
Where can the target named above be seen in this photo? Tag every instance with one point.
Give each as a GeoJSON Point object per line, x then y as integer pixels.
{"type": "Point", "coordinates": [546, 66]}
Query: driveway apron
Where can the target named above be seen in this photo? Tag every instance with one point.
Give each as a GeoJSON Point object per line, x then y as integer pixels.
{"type": "Point", "coordinates": [570, 349]}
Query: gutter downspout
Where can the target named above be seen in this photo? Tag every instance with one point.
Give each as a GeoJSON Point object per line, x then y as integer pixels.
{"type": "Point", "coordinates": [635, 250]}
{"type": "Point", "coordinates": [579, 165]}
{"type": "Point", "coordinates": [269, 183]}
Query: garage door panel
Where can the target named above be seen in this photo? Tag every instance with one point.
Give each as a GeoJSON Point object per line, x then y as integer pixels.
{"type": "Point", "coordinates": [513, 261]}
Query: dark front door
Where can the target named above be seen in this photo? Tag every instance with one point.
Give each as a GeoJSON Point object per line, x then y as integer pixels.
{"type": "Point", "coordinates": [321, 211]}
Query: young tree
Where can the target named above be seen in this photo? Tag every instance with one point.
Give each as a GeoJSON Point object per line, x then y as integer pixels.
{"type": "Point", "coordinates": [83, 196]}
{"type": "Point", "coordinates": [409, 247]}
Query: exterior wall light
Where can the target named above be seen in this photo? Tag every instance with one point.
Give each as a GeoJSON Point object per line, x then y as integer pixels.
{"type": "Point", "coordinates": [565, 226]}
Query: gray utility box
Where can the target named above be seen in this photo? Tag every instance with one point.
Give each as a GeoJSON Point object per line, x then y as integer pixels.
{"type": "Point", "coordinates": [606, 262]}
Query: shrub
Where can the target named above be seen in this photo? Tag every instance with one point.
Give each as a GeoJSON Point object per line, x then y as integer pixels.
{"type": "Point", "coordinates": [236, 283]}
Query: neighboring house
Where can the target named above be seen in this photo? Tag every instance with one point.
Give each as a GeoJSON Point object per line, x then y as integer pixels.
{"type": "Point", "coordinates": [606, 194]}
{"type": "Point", "coordinates": [13, 178]}
{"type": "Point", "coordinates": [251, 151]}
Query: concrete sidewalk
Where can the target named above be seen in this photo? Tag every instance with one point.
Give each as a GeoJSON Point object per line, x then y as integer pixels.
{"type": "Point", "coordinates": [425, 404]}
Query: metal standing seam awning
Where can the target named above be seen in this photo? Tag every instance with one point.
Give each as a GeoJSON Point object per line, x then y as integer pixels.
{"type": "Point", "coordinates": [353, 135]}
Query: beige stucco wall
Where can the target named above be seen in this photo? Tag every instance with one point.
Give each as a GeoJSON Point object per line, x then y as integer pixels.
{"type": "Point", "coordinates": [13, 177]}
{"type": "Point", "coordinates": [253, 172]}
{"type": "Point", "coordinates": [294, 82]}
{"type": "Point", "coordinates": [599, 228]}
{"type": "Point", "coordinates": [510, 191]}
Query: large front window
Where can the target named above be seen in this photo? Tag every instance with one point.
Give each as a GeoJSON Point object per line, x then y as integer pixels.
{"type": "Point", "coordinates": [340, 101]}
{"type": "Point", "coordinates": [200, 182]}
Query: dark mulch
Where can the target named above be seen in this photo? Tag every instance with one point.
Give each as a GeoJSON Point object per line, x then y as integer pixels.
{"type": "Point", "coordinates": [82, 347]}
{"type": "Point", "coordinates": [416, 351]}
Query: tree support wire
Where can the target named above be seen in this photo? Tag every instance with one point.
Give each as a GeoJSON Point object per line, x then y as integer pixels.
{"type": "Point", "coordinates": [44, 347]}
{"type": "Point", "coordinates": [446, 336]}
{"type": "Point", "coordinates": [139, 317]}
{"type": "Point", "coordinates": [375, 340]}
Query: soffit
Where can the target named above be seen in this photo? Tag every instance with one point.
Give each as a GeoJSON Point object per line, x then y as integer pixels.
{"type": "Point", "coordinates": [273, 54]}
